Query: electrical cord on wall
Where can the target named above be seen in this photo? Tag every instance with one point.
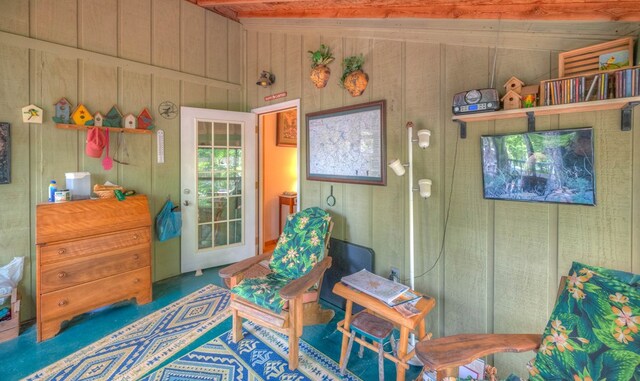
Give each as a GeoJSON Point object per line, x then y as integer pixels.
{"type": "Point", "coordinates": [446, 219]}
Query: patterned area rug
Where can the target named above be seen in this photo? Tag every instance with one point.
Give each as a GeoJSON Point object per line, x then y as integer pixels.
{"type": "Point", "coordinates": [260, 356]}
{"type": "Point", "coordinates": [144, 344]}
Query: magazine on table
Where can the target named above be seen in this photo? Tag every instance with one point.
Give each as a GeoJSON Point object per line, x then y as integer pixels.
{"type": "Point", "coordinates": [408, 309]}
{"type": "Point", "coordinates": [407, 296]}
{"type": "Point", "coordinates": [375, 285]}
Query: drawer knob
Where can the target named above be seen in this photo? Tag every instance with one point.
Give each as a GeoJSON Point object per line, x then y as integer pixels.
{"type": "Point", "coordinates": [136, 256]}
{"type": "Point", "coordinates": [136, 236]}
{"type": "Point", "coordinates": [62, 250]}
{"type": "Point", "coordinates": [63, 303]}
{"type": "Point", "coordinates": [136, 280]}
{"type": "Point", "coordinates": [62, 274]}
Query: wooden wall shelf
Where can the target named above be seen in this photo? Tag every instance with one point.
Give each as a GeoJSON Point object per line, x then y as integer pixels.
{"type": "Point", "coordinates": [624, 104]}
{"type": "Point", "coordinates": [110, 129]}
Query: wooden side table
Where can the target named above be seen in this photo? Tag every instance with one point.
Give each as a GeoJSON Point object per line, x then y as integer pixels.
{"type": "Point", "coordinates": [290, 201]}
{"type": "Point", "coordinates": [381, 309]}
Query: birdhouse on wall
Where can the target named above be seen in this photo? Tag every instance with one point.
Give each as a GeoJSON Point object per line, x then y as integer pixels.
{"type": "Point", "coordinates": [113, 118]}
{"type": "Point", "coordinates": [129, 121]}
{"type": "Point", "coordinates": [511, 100]}
{"type": "Point", "coordinates": [513, 84]}
{"type": "Point", "coordinates": [32, 114]}
{"type": "Point", "coordinates": [98, 119]}
{"type": "Point", "coordinates": [81, 115]}
{"type": "Point", "coordinates": [63, 111]}
{"type": "Point", "coordinates": [529, 95]}
{"type": "Point", "coordinates": [145, 122]}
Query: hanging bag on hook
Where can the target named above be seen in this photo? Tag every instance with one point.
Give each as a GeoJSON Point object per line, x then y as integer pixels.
{"type": "Point", "coordinates": [168, 222]}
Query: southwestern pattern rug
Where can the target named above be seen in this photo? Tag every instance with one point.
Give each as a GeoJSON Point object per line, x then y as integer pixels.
{"type": "Point", "coordinates": [260, 356]}
{"type": "Point", "coordinates": [146, 343]}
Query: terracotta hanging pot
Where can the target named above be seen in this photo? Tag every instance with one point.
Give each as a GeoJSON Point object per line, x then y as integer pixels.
{"type": "Point", "coordinates": [320, 76]}
{"type": "Point", "coordinates": [356, 82]}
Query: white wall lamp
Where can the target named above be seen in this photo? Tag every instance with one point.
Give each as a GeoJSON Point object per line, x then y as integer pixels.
{"type": "Point", "coordinates": [424, 187]}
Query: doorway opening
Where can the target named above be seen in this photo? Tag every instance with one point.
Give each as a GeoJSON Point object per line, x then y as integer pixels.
{"type": "Point", "coordinates": [278, 169]}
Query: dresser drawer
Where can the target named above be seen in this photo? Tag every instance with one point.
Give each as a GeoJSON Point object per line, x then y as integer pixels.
{"type": "Point", "coordinates": [61, 251]}
{"type": "Point", "coordinates": [59, 275]}
{"type": "Point", "coordinates": [75, 300]}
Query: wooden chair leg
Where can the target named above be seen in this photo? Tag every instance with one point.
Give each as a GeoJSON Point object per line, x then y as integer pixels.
{"type": "Point", "coordinates": [237, 326]}
{"type": "Point", "coordinates": [295, 311]}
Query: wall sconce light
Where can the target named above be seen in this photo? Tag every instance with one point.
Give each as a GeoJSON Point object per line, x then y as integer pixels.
{"type": "Point", "coordinates": [423, 138]}
{"type": "Point", "coordinates": [266, 79]}
{"type": "Point", "coordinates": [425, 187]}
{"type": "Point", "coordinates": [398, 167]}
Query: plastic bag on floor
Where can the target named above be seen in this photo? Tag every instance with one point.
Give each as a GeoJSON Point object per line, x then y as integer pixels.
{"type": "Point", "coordinates": [10, 276]}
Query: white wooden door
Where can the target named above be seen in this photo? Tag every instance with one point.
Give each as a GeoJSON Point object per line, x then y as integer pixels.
{"type": "Point", "coordinates": [218, 184]}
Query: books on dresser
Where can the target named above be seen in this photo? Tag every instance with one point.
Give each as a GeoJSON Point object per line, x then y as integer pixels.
{"type": "Point", "coordinates": [390, 292]}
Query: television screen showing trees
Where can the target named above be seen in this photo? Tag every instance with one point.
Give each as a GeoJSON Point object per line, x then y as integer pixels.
{"type": "Point", "coordinates": [545, 166]}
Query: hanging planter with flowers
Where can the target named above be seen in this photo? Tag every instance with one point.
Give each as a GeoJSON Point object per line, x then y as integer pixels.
{"type": "Point", "coordinates": [353, 78]}
{"type": "Point", "coordinates": [320, 72]}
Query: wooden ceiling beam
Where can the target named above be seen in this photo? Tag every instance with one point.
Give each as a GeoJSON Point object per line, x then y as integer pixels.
{"type": "Point", "coordinates": [585, 11]}
{"type": "Point", "coordinates": [216, 3]}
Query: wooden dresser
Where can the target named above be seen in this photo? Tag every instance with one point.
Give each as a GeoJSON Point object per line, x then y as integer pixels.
{"type": "Point", "coordinates": [90, 253]}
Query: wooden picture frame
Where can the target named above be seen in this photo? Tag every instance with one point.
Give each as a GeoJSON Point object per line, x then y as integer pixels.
{"type": "Point", "coordinates": [5, 153]}
{"type": "Point", "coordinates": [287, 128]}
{"type": "Point", "coordinates": [348, 144]}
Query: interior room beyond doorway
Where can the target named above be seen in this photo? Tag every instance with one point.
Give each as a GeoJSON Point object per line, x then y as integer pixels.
{"type": "Point", "coordinates": [279, 154]}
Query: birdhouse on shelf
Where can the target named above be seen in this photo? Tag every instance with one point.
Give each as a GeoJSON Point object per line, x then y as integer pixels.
{"type": "Point", "coordinates": [513, 84]}
{"type": "Point", "coordinates": [145, 122]}
{"type": "Point", "coordinates": [529, 95]}
{"type": "Point", "coordinates": [511, 100]}
{"type": "Point", "coordinates": [63, 111]}
{"type": "Point", "coordinates": [32, 114]}
{"type": "Point", "coordinates": [81, 115]}
{"type": "Point", "coordinates": [129, 121]}
{"type": "Point", "coordinates": [113, 118]}
{"type": "Point", "coordinates": [98, 119]}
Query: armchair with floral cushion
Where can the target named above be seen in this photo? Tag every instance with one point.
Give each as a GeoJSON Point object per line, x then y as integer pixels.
{"type": "Point", "coordinates": [283, 296]}
{"type": "Point", "coordinates": [592, 334]}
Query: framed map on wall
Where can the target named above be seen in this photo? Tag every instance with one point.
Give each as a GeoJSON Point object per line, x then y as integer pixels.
{"type": "Point", "coordinates": [348, 144]}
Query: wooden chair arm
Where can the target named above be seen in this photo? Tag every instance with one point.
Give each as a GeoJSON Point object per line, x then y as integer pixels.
{"type": "Point", "coordinates": [299, 286]}
{"type": "Point", "coordinates": [454, 351]}
{"type": "Point", "coordinates": [238, 267]}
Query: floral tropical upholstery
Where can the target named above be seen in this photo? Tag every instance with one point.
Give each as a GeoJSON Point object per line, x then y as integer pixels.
{"type": "Point", "coordinates": [300, 248]}
{"type": "Point", "coordinates": [593, 331]}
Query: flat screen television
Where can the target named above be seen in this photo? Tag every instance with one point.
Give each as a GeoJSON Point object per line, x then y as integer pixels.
{"type": "Point", "coordinates": [545, 166]}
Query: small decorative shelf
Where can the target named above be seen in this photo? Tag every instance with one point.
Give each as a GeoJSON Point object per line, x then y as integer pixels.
{"type": "Point", "coordinates": [110, 129]}
{"type": "Point", "coordinates": [624, 104]}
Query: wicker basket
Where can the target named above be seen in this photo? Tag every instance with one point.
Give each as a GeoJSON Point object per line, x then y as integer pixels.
{"type": "Point", "coordinates": [106, 191]}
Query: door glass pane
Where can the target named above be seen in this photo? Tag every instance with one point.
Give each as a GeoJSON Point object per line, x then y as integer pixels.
{"type": "Point", "coordinates": [204, 236]}
{"type": "Point", "coordinates": [204, 133]}
{"type": "Point", "coordinates": [235, 135]}
{"type": "Point", "coordinates": [220, 135]}
{"type": "Point", "coordinates": [204, 160]}
{"type": "Point", "coordinates": [234, 208]}
{"type": "Point", "coordinates": [221, 234]}
{"type": "Point", "coordinates": [220, 169]}
{"type": "Point", "coordinates": [204, 210]}
{"type": "Point", "coordinates": [220, 209]}
{"type": "Point", "coordinates": [235, 232]}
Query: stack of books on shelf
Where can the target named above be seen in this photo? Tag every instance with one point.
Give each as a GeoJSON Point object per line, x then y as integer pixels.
{"type": "Point", "coordinates": [395, 295]}
{"type": "Point", "coordinates": [594, 87]}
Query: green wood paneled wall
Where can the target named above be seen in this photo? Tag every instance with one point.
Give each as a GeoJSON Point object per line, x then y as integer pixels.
{"type": "Point", "coordinates": [501, 261]}
{"type": "Point", "coordinates": [170, 34]}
